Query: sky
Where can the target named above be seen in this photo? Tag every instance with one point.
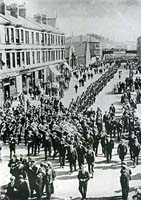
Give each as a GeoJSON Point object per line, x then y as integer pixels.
{"type": "Point", "coordinates": [119, 20]}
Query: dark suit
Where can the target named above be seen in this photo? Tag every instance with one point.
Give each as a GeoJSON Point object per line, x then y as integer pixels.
{"type": "Point", "coordinates": [109, 147]}
{"type": "Point", "coordinates": [72, 157]}
{"type": "Point", "coordinates": [23, 191]}
{"type": "Point", "coordinates": [11, 192]}
{"type": "Point", "coordinates": [83, 178]}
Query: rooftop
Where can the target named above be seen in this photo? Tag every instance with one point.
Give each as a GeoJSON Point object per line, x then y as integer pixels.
{"type": "Point", "coordinates": [28, 23]}
{"type": "Point", "coordinates": [81, 38]}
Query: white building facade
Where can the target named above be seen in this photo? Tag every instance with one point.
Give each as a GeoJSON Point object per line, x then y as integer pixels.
{"type": "Point", "coordinates": [30, 52]}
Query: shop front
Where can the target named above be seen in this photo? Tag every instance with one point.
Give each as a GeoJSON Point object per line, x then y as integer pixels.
{"type": "Point", "coordinates": [28, 82]}
{"type": "Point", "coordinates": [9, 87]}
{"type": "Point", "coordinates": [54, 73]}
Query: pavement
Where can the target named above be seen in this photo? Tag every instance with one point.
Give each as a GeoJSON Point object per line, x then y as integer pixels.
{"type": "Point", "coordinates": [106, 183]}
{"type": "Point", "coordinates": [69, 94]}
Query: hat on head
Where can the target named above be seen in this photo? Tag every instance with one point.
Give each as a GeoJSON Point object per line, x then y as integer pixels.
{"type": "Point", "coordinates": [124, 163]}
{"type": "Point", "coordinates": [20, 177]}
{"type": "Point", "coordinates": [12, 178]}
{"type": "Point", "coordinates": [49, 163]}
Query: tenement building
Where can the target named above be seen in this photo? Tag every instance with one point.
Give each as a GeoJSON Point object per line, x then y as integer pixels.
{"type": "Point", "coordinates": [31, 51]}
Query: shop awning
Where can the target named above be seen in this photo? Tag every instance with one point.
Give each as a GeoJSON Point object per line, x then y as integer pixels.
{"type": "Point", "coordinates": [54, 70]}
{"type": "Point", "coordinates": [67, 66]}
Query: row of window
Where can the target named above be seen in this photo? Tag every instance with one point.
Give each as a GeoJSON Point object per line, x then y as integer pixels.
{"type": "Point", "coordinates": [19, 36]}
{"type": "Point", "coordinates": [32, 57]}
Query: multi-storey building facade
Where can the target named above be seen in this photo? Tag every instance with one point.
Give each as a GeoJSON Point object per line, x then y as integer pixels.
{"type": "Point", "coordinates": [82, 50]}
{"type": "Point", "coordinates": [31, 51]}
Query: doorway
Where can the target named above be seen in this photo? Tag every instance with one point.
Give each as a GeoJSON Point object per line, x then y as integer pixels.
{"type": "Point", "coordinates": [6, 91]}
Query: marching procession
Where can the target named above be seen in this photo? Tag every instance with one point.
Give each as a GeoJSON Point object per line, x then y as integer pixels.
{"type": "Point", "coordinates": [70, 135]}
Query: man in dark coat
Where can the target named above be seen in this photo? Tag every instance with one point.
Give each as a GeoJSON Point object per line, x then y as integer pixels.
{"type": "Point", "coordinates": [12, 146]}
{"type": "Point", "coordinates": [23, 189]}
{"type": "Point", "coordinates": [135, 151]}
{"type": "Point", "coordinates": [47, 145]}
{"type": "Point", "coordinates": [48, 181]}
{"type": "Point", "coordinates": [12, 189]}
{"type": "Point", "coordinates": [30, 141]}
{"type": "Point", "coordinates": [108, 148]}
{"type": "Point", "coordinates": [62, 152]}
{"type": "Point", "coordinates": [119, 129]}
{"type": "Point", "coordinates": [96, 143]}
{"type": "Point", "coordinates": [112, 110]}
{"type": "Point", "coordinates": [124, 181]}
{"type": "Point", "coordinates": [32, 175]}
{"type": "Point", "coordinates": [131, 143]}
{"type": "Point", "coordinates": [90, 158]}
{"type": "Point", "coordinates": [72, 157]}
{"type": "Point", "coordinates": [83, 177]}
{"type": "Point", "coordinates": [81, 154]}
{"type": "Point", "coordinates": [122, 150]}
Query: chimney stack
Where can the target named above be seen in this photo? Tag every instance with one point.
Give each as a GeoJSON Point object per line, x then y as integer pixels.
{"type": "Point", "coordinates": [38, 18]}
{"type": "Point", "coordinates": [13, 10]}
{"type": "Point", "coordinates": [44, 19]}
{"type": "Point", "coordinates": [2, 7]}
{"type": "Point", "coordinates": [51, 21]}
{"type": "Point", "coordinates": [22, 10]}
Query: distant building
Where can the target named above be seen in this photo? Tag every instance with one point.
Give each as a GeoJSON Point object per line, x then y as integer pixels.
{"type": "Point", "coordinates": [31, 51]}
{"type": "Point", "coordinates": [82, 50]}
{"type": "Point", "coordinates": [139, 48]}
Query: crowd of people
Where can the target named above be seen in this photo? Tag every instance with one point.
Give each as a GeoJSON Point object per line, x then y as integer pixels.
{"type": "Point", "coordinates": [71, 134]}
{"type": "Point", "coordinates": [88, 97]}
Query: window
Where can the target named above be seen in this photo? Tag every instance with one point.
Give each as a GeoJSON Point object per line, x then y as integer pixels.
{"type": "Point", "coordinates": [23, 58]}
{"type": "Point", "coordinates": [49, 55]}
{"type": "Point", "coordinates": [40, 74]}
{"type": "Point", "coordinates": [42, 38]}
{"type": "Point", "coordinates": [46, 56]}
{"type": "Point", "coordinates": [38, 56]}
{"type": "Point", "coordinates": [33, 57]}
{"type": "Point", "coordinates": [52, 39]}
{"type": "Point", "coordinates": [43, 56]}
{"type": "Point", "coordinates": [17, 36]}
{"type": "Point", "coordinates": [28, 58]}
{"type": "Point", "coordinates": [52, 55]}
{"type": "Point", "coordinates": [27, 37]}
{"type": "Point", "coordinates": [18, 59]}
{"type": "Point", "coordinates": [97, 45]}
{"type": "Point", "coordinates": [7, 35]}
{"type": "Point", "coordinates": [22, 36]}
{"type": "Point", "coordinates": [13, 60]}
{"type": "Point", "coordinates": [62, 40]}
{"type": "Point", "coordinates": [32, 36]}
{"type": "Point", "coordinates": [59, 40]}
{"type": "Point", "coordinates": [13, 82]}
{"type": "Point", "coordinates": [8, 60]}
{"type": "Point", "coordinates": [45, 38]}
{"type": "Point", "coordinates": [49, 39]}
{"type": "Point", "coordinates": [37, 38]}
{"type": "Point", "coordinates": [56, 39]}
{"type": "Point", "coordinates": [12, 35]}
{"type": "Point", "coordinates": [57, 55]}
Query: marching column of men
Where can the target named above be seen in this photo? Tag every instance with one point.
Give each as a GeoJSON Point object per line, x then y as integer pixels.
{"type": "Point", "coordinates": [41, 129]}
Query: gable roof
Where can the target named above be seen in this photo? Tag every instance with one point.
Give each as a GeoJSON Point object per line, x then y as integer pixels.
{"type": "Point", "coordinates": [79, 48]}
{"type": "Point", "coordinates": [27, 23]}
